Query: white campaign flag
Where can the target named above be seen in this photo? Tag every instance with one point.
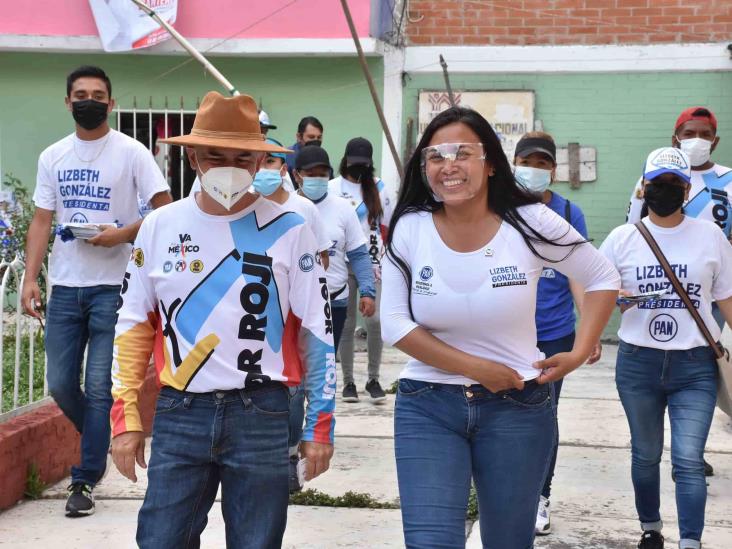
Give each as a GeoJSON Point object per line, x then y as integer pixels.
{"type": "Point", "coordinates": [123, 26]}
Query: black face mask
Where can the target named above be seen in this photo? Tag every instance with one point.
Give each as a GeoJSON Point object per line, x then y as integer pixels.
{"type": "Point", "coordinates": [89, 114]}
{"type": "Point", "coordinates": [313, 143]}
{"type": "Point", "coordinates": [358, 173]}
{"type": "Point", "coordinates": [664, 198]}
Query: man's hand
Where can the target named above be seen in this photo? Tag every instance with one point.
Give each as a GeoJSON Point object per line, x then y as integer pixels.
{"type": "Point", "coordinates": [496, 377]}
{"type": "Point", "coordinates": [556, 367]}
{"type": "Point", "coordinates": [31, 298]}
{"type": "Point", "coordinates": [596, 353]}
{"type": "Point", "coordinates": [625, 306]}
{"type": "Point", "coordinates": [110, 237]}
{"type": "Point", "coordinates": [126, 449]}
{"type": "Point", "coordinates": [318, 456]}
{"type": "Point", "coordinates": [367, 306]}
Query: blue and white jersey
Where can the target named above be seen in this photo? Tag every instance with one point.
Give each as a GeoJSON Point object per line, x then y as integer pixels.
{"type": "Point", "coordinates": [234, 301]}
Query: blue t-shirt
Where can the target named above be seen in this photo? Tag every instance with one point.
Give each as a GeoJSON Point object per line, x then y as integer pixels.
{"type": "Point", "coordinates": [554, 303]}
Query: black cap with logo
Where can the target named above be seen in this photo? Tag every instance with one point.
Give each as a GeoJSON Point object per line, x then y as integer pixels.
{"type": "Point", "coordinates": [311, 156]}
{"type": "Point", "coordinates": [359, 152]}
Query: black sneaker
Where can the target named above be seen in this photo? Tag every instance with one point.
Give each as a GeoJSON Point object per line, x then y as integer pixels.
{"type": "Point", "coordinates": [81, 500]}
{"type": "Point", "coordinates": [375, 391]}
{"type": "Point", "coordinates": [708, 469]}
{"type": "Point", "coordinates": [294, 482]}
{"type": "Point", "coordinates": [350, 394]}
{"type": "Point", "coordinates": [651, 540]}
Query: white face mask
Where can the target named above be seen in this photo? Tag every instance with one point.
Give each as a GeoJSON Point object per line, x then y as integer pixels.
{"type": "Point", "coordinates": [534, 179]}
{"type": "Point", "coordinates": [697, 149]}
{"type": "Point", "coordinates": [226, 185]}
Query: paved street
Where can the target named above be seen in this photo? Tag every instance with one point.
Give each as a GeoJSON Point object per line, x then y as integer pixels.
{"type": "Point", "coordinates": [592, 501]}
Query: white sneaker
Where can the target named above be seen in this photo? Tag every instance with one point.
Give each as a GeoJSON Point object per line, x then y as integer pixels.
{"type": "Point", "coordinates": [543, 523]}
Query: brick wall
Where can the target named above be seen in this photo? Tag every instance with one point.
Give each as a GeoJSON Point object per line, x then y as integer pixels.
{"type": "Point", "coordinates": [558, 22]}
{"type": "Point", "coordinates": [45, 438]}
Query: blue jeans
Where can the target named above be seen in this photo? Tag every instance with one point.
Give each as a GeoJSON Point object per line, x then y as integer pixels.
{"type": "Point", "coordinates": [648, 381]}
{"type": "Point", "coordinates": [446, 434]}
{"type": "Point", "coordinates": [297, 394]}
{"type": "Point", "coordinates": [236, 438]}
{"type": "Point", "coordinates": [551, 348]}
{"type": "Point", "coordinates": [75, 317]}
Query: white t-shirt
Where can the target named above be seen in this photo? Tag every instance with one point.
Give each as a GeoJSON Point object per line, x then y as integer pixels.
{"type": "Point", "coordinates": [298, 204]}
{"type": "Point", "coordinates": [96, 181]}
{"type": "Point", "coordinates": [304, 207]}
{"type": "Point", "coordinates": [225, 302]}
{"type": "Point", "coordinates": [702, 260]}
{"type": "Point", "coordinates": [709, 197]}
{"type": "Point", "coordinates": [340, 186]}
{"type": "Point", "coordinates": [481, 302]}
{"type": "Point", "coordinates": [344, 230]}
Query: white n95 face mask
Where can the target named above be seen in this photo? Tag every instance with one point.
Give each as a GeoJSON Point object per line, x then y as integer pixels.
{"type": "Point", "coordinates": [697, 149]}
{"type": "Point", "coordinates": [226, 185]}
{"type": "Point", "coordinates": [534, 179]}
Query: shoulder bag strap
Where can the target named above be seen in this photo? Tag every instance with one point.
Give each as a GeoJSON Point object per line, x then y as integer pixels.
{"type": "Point", "coordinates": [678, 287]}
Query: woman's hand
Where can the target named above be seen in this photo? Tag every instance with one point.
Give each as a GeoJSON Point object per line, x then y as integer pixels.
{"type": "Point", "coordinates": [494, 376]}
{"type": "Point", "coordinates": [556, 367]}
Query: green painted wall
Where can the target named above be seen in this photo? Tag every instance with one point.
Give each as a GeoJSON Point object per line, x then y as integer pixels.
{"type": "Point", "coordinates": [32, 90]}
{"type": "Point", "coordinates": [624, 116]}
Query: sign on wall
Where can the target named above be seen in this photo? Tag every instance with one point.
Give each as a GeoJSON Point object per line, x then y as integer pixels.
{"type": "Point", "coordinates": [123, 26]}
{"type": "Point", "coordinates": [511, 113]}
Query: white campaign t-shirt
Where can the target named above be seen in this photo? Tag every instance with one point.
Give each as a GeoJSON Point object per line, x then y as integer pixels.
{"type": "Point", "coordinates": [344, 230]}
{"type": "Point", "coordinates": [709, 198]}
{"type": "Point", "coordinates": [481, 302]}
{"type": "Point", "coordinates": [702, 260]}
{"type": "Point", "coordinates": [304, 207]}
{"type": "Point", "coordinates": [340, 186]}
{"type": "Point", "coordinates": [98, 181]}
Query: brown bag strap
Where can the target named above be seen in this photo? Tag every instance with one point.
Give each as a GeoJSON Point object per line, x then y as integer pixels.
{"type": "Point", "coordinates": [678, 287]}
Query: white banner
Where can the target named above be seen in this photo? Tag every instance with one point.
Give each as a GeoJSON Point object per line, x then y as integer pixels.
{"type": "Point", "coordinates": [123, 26]}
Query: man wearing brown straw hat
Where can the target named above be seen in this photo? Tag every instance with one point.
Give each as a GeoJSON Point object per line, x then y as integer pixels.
{"type": "Point", "coordinates": [224, 289]}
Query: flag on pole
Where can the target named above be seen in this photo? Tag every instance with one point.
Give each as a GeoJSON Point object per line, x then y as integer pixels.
{"type": "Point", "coordinates": [123, 26]}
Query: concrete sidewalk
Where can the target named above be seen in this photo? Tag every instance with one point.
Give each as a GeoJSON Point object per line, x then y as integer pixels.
{"type": "Point", "coordinates": [592, 501]}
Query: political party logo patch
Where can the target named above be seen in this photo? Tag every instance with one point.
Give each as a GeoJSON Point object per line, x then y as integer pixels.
{"type": "Point", "coordinates": [663, 328]}
{"type": "Point", "coordinates": [307, 263]}
{"type": "Point", "coordinates": [138, 257]}
{"type": "Point", "coordinates": [426, 273]}
{"type": "Point", "coordinates": [167, 266]}
{"type": "Point", "coordinates": [180, 266]}
{"type": "Point", "coordinates": [670, 159]}
{"type": "Point", "coordinates": [79, 217]}
{"type": "Point", "coordinates": [196, 266]}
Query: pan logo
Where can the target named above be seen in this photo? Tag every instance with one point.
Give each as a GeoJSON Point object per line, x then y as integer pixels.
{"type": "Point", "coordinates": [426, 273]}
{"type": "Point", "coordinates": [180, 266]}
{"type": "Point", "coordinates": [663, 327]}
{"type": "Point", "coordinates": [307, 263]}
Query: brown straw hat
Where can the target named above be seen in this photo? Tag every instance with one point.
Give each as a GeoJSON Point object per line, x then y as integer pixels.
{"type": "Point", "coordinates": [228, 123]}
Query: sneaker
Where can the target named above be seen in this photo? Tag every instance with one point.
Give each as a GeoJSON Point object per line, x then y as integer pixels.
{"type": "Point", "coordinates": [294, 481]}
{"type": "Point", "coordinates": [350, 394]}
{"type": "Point", "coordinates": [543, 523]}
{"type": "Point", "coordinates": [81, 500]}
{"type": "Point", "coordinates": [651, 540]}
{"type": "Point", "coordinates": [375, 391]}
{"type": "Point", "coordinates": [708, 469]}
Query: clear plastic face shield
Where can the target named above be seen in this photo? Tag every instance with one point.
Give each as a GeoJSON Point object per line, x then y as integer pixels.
{"type": "Point", "coordinates": [453, 171]}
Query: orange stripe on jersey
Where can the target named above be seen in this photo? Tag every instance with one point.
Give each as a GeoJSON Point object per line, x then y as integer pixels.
{"type": "Point", "coordinates": [323, 428]}
{"type": "Point", "coordinates": [117, 415]}
{"type": "Point", "coordinates": [159, 348]}
{"type": "Point", "coordinates": [293, 369]}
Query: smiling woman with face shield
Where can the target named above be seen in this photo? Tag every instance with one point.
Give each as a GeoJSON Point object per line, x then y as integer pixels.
{"type": "Point", "coordinates": [465, 251]}
{"type": "Point", "coordinates": [663, 359]}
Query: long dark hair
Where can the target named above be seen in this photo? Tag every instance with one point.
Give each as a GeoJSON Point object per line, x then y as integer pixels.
{"type": "Point", "coordinates": [364, 175]}
{"type": "Point", "coordinates": [505, 196]}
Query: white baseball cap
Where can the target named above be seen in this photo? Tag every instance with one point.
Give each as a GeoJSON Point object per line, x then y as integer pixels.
{"type": "Point", "coordinates": [667, 160]}
{"type": "Point", "coordinates": [264, 121]}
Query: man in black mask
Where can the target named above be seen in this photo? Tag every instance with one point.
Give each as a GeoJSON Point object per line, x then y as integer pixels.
{"type": "Point", "coordinates": [309, 132]}
{"type": "Point", "coordinates": [92, 177]}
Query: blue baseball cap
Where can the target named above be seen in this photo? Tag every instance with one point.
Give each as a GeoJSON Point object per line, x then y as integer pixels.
{"type": "Point", "coordinates": [271, 141]}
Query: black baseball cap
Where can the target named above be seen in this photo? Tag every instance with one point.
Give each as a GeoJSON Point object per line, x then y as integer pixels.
{"type": "Point", "coordinates": [359, 152]}
{"type": "Point", "coordinates": [530, 145]}
{"type": "Point", "coordinates": [311, 156]}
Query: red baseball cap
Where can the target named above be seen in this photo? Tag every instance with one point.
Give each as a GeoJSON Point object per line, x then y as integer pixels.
{"type": "Point", "coordinates": [696, 113]}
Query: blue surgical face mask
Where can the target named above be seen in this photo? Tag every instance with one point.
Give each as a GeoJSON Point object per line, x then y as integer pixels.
{"type": "Point", "coordinates": [267, 182]}
{"type": "Point", "coordinates": [533, 179]}
{"type": "Point", "coordinates": [314, 188]}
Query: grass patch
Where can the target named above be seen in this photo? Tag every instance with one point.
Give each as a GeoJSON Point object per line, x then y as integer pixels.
{"type": "Point", "coordinates": [8, 370]}
{"type": "Point", "coordinates": [34, 485]}
{"type": "Point", "coordinates": [472, 504]}
{"type": "Point", "coordinates": [353, 500]}
{"type": "Point", "coordinates": [392, 390]}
